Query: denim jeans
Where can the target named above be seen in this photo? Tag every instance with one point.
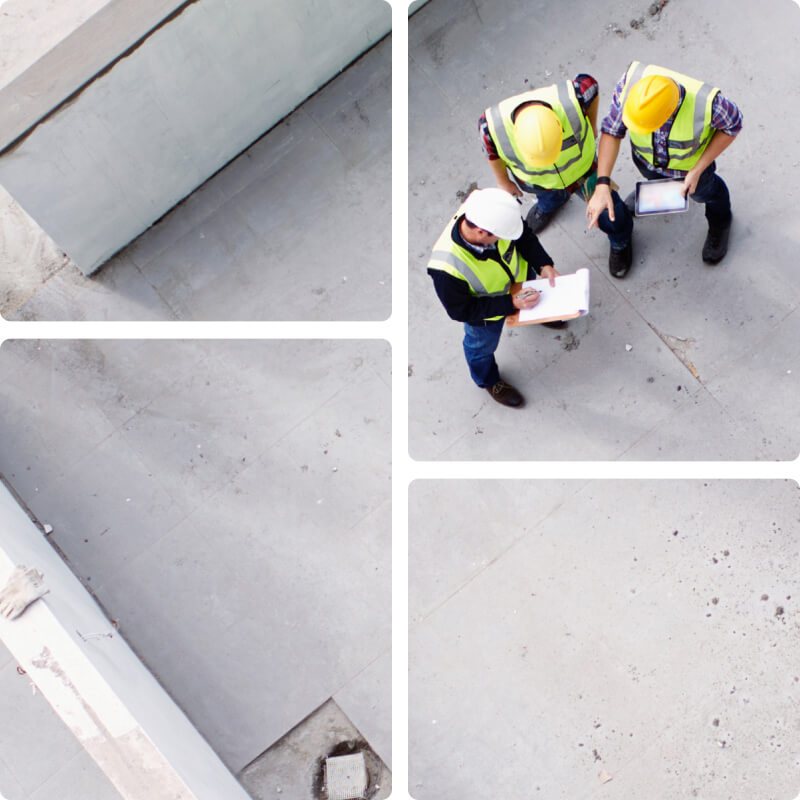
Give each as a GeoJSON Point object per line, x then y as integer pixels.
{"type": "Point", "coordinates": [480, 342]}
{"type": "Point", "coordinates": [711, 191]}
{"type": "Point", "coordinates": [619, 231]}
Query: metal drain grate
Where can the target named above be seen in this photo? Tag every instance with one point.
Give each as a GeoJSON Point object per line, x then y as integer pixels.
{"type": "Point", "coordinates": [346, 777]}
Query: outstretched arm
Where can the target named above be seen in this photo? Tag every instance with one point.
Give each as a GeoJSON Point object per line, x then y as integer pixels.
{"type": "Point", "coordinates": [607, 152]}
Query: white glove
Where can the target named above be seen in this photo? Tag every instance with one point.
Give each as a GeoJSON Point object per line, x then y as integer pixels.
{"type": "Point", "coordinates": [25, 585]}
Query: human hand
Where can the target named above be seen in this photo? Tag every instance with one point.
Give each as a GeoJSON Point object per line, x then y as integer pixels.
{"type": "Point", "coordinates": [527, 298]}
{"type": "Point", "coordinates": [690, 181]}
{"type": "Point", "coordinates": [549, 272]}
{"type": "Point", "coordinates": [601, 201]}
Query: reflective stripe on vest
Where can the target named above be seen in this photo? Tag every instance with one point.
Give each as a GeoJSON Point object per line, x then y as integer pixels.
{"type": "Point", "coordinates": [466, 271]}
{"type": "Point", "coordinates": [577, 146]}
{"type": "Point", "coordinates": [691, 129]}
{"type": "Point", "coordinates": [485, 277]}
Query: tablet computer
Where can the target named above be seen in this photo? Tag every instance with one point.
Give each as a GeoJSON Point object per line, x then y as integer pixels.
{"type": "Point", "coordinates": [659, 197]}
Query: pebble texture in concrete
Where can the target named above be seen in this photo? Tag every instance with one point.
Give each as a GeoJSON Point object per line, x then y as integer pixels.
{"type": "Point", "coordinates": [679, 360]}
{"type": "Point", "coordinates": [566, 633]}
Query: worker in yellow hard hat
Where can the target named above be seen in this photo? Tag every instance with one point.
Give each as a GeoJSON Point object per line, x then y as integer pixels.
{"type": "Point", "coordinates": [543, 142]}
{"type": "Point", "coordinates": [678, 126]}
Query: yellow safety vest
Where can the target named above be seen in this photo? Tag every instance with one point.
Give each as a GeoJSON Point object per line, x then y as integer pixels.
{"type": "Point", "coordinates": [485, 277]}
{"type": "Point", "coordinates": [691, 129]}
{"type": "Point", "coordinates": [577, 146]}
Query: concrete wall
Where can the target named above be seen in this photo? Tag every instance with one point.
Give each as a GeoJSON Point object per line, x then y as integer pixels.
{"type": "Point", "coordinates": [96, 684]}
{"type": "Point", "coordinates": [49, 49]}
{"type": "Point", "coordinates": [106, 164]}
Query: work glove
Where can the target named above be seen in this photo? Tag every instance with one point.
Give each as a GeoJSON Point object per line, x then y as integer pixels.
{"type": "Point", "coordinates": [25, 585]}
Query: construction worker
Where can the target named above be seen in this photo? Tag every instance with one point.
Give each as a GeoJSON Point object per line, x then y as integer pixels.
{"type": "Point", "coordinates": [678, 126]}
{"type": "Point", "coordinates": [485, 249]}
{"type": "Point", "coordinates": [543, 142]}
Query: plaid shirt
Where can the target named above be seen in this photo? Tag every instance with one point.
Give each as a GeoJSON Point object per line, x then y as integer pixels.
{"type": "Point", "coordinates": [585, 90]}
{"type": "Point", "coordinates": [725, 117]}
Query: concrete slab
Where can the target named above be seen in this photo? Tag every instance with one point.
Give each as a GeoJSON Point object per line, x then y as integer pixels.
{"type": "Point", "coordinates": [69, 294]}
{"type": "Point", "coordinates": [79, 779]}
{"type": "Point", "coordinates": [39, 756]}
{"type": "Point", "coordinates": [358, 699]}
{"type": "Point", "coordinates": [28, 256]}
{"type": "Point", "coordinates": [640, 628]}
{"type": "Point", "coordinates": [294, 766]}
{"type": "Point", "coordinates": [231, 250]}
{"type": "Point", "coordinates": [735, 325]}
{"type": "Point", "coordinates": [230, 499]}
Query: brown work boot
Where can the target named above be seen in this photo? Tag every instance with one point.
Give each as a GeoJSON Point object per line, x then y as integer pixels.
{"type": "Point", "coordinates": [505, 394]}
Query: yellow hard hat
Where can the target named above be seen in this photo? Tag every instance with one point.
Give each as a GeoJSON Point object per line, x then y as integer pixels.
{"type": "Point", "coordinates": [650, 103]}
{"type": "Point", "coordinates": [538, 133]}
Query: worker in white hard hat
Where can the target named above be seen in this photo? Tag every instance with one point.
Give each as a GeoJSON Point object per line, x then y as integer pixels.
{"type": "Point", "coordinates": [543, 142]}
{"type": "Point", "coordinates": [484, 250]}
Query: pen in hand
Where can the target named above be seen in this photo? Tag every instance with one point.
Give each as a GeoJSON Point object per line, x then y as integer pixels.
{"type": "Point", "coordinates": [526, 299]}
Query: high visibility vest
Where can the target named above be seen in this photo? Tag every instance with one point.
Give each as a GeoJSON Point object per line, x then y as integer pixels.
{"type": "Point", "coordinates": [691, 129]}
{"type": "Point", "coordinates": [485, 277]}
{"type": "Point", "coordinates": [577, 146]}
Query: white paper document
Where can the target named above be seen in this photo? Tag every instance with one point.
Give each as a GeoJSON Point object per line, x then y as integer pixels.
{"type": "Point", "coordinates": [568, 298]}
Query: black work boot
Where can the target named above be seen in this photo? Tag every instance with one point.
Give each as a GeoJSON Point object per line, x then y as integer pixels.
{"type": "Point", "coordinates": [538, 221]}
{"type": "Point", "coordinates": [619, 261]}
{"type": "Point", "coordinates": [505, 394]}
{"type": "Point", "coordinates": [716, 244]}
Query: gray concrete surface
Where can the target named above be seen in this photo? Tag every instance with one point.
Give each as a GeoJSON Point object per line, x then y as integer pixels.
{"type": "Point", "coordinates": [562, 633]}
{"type": "Point", "coordinates": [228, 504]}
{"type": "Point", "coordinates": [297, 227]}
{"type": "Point", "coordinates": [49, 49]}
{"type": "Point", "coordinates": [736, 325]}
{"type": "Point", "coordinates": [166, 114]}
{"type": "Point", "coordinates": [39, 757]}
{"type": "Point", "coordinates": [294, 766]}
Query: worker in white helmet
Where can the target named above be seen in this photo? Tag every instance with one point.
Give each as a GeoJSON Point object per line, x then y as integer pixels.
{"type": "Point", "coordinates": [483, 251]}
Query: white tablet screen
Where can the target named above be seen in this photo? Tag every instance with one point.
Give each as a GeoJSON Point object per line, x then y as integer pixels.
{"type": "Point", "coordinates": [659, 197]}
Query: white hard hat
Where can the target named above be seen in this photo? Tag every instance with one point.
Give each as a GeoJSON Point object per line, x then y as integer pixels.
{"type": "Point", "coordinates": [496, 211]}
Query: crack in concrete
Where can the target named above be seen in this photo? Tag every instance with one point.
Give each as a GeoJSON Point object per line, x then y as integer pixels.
{"type": "Point", "coordinates": [680, 348]}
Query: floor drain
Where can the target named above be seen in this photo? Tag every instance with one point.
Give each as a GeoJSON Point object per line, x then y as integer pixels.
{"type": "Point", "coordinates": [346, 777]}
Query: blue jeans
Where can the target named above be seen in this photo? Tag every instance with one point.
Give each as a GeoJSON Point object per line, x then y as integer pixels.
{"type": "Point", "coordinates": [619, 231]}
{"type": "Point", "coordinates": [711, 190]}
{"type": "Point", "coordinates": [480, 342]}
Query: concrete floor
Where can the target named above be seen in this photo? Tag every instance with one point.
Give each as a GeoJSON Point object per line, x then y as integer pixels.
{"type": "Point", "coordinates": [620, 383]}
{"type": "Point", "coordinates": [562, 633]}
{"type": "Point", "coordinates": [101, 439]}
{"type": "Point", "coordinates": [296, 763]}
{"type": "Point", "coordinates": [39, 757]}
{"type": "Point", "coordinates": [230, 499]}
{"type": "Point", "coordinates": [297, 227]}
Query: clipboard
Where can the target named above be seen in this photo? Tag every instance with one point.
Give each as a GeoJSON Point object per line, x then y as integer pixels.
{"type": "Point", "coordinates": [568, 299]}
